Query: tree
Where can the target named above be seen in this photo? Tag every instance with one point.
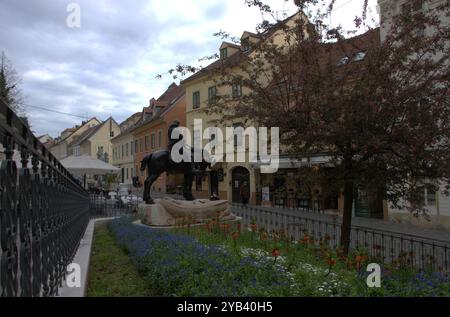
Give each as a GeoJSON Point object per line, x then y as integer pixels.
{"type": "Point", "coordinates": [10, 92]}
{"type": "Point", "coordinates": [380, 111]}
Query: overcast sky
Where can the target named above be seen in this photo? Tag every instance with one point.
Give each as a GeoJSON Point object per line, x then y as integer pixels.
{"type": "Point", "coordinates": [107, 67]}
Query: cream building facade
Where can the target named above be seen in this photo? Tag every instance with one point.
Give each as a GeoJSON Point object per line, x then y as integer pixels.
{"type": "Point", "coordinates": [437, 202]}
{"type": "Point", "coordinates": [61, 147]}
{"type": "Point", "coordinates": [96, 141]}
{"type": "Point", "coordinates": [225, 179]}
{"type": "Point", "coordinates": [123, 150]}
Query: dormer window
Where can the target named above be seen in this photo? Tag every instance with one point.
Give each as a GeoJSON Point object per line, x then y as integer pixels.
{"type": "Point", "coordinates": [411, 6]}
{"type": "Point", "coordinates": [245, 44]}
{"type": "Point", "coordinates": [344, 60]}
{"type": "Point", "coordinates": [359, 56]}
{"type": "Point", "coordinates": [223, 53]}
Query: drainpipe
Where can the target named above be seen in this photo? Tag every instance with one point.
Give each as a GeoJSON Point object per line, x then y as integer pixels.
{"type": "Point", "coordinates": [437, 204]}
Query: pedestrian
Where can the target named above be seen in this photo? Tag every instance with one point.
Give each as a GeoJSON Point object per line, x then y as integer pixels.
{"type": "Point", "coordinates": [244, 192]}
{"type": "Point", "coordinates": [214, 196]}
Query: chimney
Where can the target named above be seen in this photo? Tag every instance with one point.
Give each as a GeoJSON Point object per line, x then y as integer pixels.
{"type": "Point", "coordinates": [319, 28]}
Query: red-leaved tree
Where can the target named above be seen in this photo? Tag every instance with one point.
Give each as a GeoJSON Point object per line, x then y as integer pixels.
{"type": "Point", "coordinates": [379, 110]}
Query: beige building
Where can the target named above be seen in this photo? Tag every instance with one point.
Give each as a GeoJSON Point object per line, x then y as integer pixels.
{"type": "Point", "coordinates": [96, 141]}
{"type": "Point", "coordinates": [435, 201]}
{"type": "Point", "coordinates": [123, 150]}
{"type": "Point", "coordinates": [60, 148]}
{"type": "Point", "coordinates": [225, 179]}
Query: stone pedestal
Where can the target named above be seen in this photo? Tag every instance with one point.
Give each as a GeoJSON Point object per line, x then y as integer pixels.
{"type": "Point", "coordinates": [166, 211]}
{"type": "Point", "coordinates": [155, 215]}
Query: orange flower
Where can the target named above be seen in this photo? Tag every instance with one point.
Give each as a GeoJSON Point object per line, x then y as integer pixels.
{"type": "Point", "coordinates": [275, 253]}
{"type": "Point", "coordinates": [263, 236]}
{"type": "Point", "coordinates": [331, 262]}
{"type": "Point", "coordinates": [349, 264]}
{"type": "Point", "coordinates": [253, 226]}
{"type": "Point", "coordinates": [235, 235]}
{"type": "Point", "coordinates": [358, 259]}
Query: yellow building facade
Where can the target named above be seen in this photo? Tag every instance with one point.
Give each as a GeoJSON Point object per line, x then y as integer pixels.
{"type": "Point", "coordinates": [226, 178]}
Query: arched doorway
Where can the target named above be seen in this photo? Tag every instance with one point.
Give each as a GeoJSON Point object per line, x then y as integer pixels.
{"type": "Point", "coordinates": [238, 176]}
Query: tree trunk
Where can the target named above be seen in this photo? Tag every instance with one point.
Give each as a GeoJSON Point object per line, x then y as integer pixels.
{"type": "Point", "coordinates": [348, 207]}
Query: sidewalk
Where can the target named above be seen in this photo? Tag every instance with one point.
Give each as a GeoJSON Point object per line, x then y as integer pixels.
{"type": "Point", "coordinates": [438, 235]}
{"type": "Point", "coordinates": [82, 258]}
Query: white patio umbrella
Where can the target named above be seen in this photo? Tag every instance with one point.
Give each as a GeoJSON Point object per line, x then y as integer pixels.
{"type": "Point", "coordinates": [85, 164]}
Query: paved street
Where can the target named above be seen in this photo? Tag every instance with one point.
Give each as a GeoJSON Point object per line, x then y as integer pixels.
{"type": "Point", "coordinates": [369, 224]}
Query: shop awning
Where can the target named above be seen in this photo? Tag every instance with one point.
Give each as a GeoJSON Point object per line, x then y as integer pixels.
{"type": "Point", "coordinates": [86, 165]}
{"type": "Point", "coordinates": [286, 162]}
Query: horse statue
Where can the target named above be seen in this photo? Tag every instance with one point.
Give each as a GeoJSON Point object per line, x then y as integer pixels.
{"type": "Point", "coordinates": [159, 162]}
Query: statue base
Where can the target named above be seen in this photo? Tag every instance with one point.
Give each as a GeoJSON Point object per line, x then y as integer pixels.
{"type": "Point", "coordinates": [167, 212]}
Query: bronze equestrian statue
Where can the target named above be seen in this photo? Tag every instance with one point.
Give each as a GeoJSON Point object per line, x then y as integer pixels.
{"type": "Point", "coordinates": [159, 162]}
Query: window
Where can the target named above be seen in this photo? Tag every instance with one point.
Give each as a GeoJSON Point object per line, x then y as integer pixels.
{"type": "Point", "coordinates": [127, 173]}
{"type": "Point", "coordinates": [427, 195]}
{"type": "Point", "coordinates": [406, 7]}
{"type": "Point", "coordinates": [111, 134]}
{"type": "Point", "coordinates": [141, 145]}
{"type": "Point", "coordinates": [417, 5]}
{"type": "Point", "coordinates": [76, 151]}
{"type": "Point", "coordinates": [212, 91]}
{"type": "Point", "coordinates": [159, 138]}
{"type": "Point", "coordinates": [153, 141]}
{"type": "Point", "coordinates": [411, 6]}
{"type": "Point", "coordinates": [431, 196]}
{"type": "Point", "coordinates": [344, 60]}
{"type": "Point", "coordinates": [236, 140]}
{"type": "Point", "coordinates": [196, 99]}
{"type": "Point", "coordinates": [123, 150]}
{"type": "Point", "coordinates": [126, 149]}
{"type": "Point", "coordinates": [132, 172]}
{"type": "Point", "coordinates": [236, 90]}
{"type": "Point", "coordinates": [223, 53]}
{"type": "Point", "coordinates": [359, 56]}
{"type": "Point", "coordinates": [131, 147]}
{"type": "Point", "coordinates": [420, 31]}
{"type": "Point", "coordinates": [245, 44]}
{"type": "Point", "coordinates": [146, 142]}
{"type": "Point", "coordinates": [135, 146]}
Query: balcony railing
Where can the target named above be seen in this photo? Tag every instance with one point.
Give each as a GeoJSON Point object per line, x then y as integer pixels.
{"type": "Point", "coordinates": [43, 213]}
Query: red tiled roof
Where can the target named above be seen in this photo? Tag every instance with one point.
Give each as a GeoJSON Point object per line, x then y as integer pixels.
{"type": "Point", "coordinates": [173, 92]}
{"type": "Point", "coordinates": [239, 56]}
{"type": "Point", "coordinates": [330, 54]}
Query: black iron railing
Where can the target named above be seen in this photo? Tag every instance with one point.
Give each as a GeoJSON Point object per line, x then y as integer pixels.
{"type": "Point", "coordinates": [43, 213]}
{"type": "Point", "coordinates": [384, 245]}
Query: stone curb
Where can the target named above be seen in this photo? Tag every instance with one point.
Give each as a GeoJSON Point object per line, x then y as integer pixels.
{"type": "Point", "coordinates": [82, 258]}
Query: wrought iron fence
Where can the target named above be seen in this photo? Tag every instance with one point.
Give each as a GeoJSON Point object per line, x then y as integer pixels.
{"type": "Point", "coordinates": [386, 246]}
{"type": "Point", "coordinates": [43, 213]}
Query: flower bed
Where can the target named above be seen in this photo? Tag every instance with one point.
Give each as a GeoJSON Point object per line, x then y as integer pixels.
{"type": "Point", "coordinates": [224, 260]}
{"type": "Point", "coordinates": [314, 268]}
{"type": "Point", "coordinates": [178, 265]}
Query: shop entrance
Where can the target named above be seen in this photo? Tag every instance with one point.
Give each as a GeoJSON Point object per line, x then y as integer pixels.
{"type": "Point", "coordinates": [213, 183]}
{"type": "Point", "coordinates": [239, 175]}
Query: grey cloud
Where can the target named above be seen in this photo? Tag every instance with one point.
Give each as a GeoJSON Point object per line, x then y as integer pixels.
{"type": "Point", "coordinates": [114, 38]}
